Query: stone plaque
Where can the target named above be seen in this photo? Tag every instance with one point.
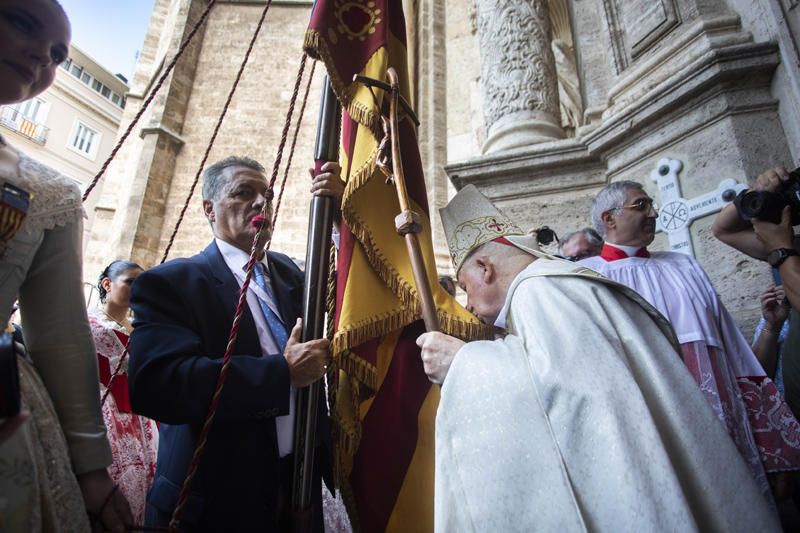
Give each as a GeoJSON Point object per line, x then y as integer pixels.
{"type": "Point", "coordinates": [645, 22]}
{"type": "Point", "coordinates": [635, 25]}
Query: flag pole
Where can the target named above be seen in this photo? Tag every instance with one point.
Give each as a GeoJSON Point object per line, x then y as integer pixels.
{"type": "Point", "coordinates": [322, 213]}
{"type": "Point", "coordinates": [408, 223]}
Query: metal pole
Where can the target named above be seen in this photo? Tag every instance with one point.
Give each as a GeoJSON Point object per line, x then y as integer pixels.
{"type": "Point", "coordinates": [321, 217]}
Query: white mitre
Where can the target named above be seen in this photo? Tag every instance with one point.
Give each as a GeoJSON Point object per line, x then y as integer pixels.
{"type": "Point", "coordinates": [471, 220]}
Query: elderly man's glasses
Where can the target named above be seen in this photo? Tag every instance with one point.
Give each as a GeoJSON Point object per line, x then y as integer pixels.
{"type": "Point", "coordinates": [642, 204]}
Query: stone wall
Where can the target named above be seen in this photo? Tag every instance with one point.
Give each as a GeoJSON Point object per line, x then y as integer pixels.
{"type": "Point", "coordinates": [712, 83]}
{"type": "Point", "coordinates": [148, 185]}
{"type": "Point", "coordinates": [699, 81]}
{"type": "Point", "coordinates": [254, 121]}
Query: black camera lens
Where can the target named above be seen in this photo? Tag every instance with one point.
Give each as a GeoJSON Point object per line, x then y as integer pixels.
{"type": "Point", "coordinates": [762, 205]}
{"type": "Point", "coordinates": [545, 236]}
{"type": "Point", "coordinates": [752, 204]}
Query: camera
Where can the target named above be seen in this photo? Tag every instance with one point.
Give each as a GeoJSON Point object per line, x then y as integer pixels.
{"type": "Point", "coordinates": [765, 205]}
{"type": "Point", "coordinates": [545, 236]}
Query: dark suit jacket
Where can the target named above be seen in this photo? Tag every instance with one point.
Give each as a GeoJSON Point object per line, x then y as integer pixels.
{"type": "Point", "coordinates": [183, 315]}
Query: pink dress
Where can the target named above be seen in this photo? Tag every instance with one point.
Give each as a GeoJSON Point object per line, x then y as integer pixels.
{"type": "Point", "coordinates": [133, 438]}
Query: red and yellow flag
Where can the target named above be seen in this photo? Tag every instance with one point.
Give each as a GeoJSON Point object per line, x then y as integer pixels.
{"type": "Point", "coordinates": [385, 406]}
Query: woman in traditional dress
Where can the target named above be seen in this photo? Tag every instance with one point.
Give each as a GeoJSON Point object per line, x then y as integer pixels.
{"type": "Point", "coordinates": [53, 467]}
{"type": "Point", "coordinates": [133, 438]}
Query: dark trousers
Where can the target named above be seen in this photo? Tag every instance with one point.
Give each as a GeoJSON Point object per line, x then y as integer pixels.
{"type": "Point", "coordinates": [286, 519]}
{"type": "Point", "coordinates": [278, 515]}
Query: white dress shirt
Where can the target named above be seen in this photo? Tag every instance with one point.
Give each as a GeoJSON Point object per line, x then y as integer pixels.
{"type": "Point", "coordinates": [237, 260]}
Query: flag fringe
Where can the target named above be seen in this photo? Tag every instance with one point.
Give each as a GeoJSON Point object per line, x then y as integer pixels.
{"type": "Point", "coordinates": [361, 377]}
{"type": "Point", "coordinates": [365, 373]}
{"type": "Point", "coordinates": [316, 47]}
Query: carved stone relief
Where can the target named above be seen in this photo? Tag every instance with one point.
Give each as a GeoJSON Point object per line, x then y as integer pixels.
{"type": "Point", "coordinates": [518, 76]}
{"type": "Point", "coordinates": [569, 88]}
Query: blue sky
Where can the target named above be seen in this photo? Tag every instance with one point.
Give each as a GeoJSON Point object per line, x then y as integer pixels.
{"type": "Point", "coordinates": [110, 31]}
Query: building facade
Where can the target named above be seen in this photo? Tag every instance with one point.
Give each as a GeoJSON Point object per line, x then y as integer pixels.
{"type": "Point", "coordinates": [71, 126]}
{"type": "Point", "coordinates": [539, 103]}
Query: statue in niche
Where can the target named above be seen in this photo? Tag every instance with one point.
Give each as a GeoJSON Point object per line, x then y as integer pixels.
{"type": "Point", "coordinates": [569, 84]}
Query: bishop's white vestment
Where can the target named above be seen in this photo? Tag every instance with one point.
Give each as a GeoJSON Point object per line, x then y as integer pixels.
{"type": "Point", "coordinates": [584, 418]}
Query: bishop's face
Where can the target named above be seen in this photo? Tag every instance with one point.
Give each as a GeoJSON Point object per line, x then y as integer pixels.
{"type": "Point", "coordinates": [485, 297]}
{"type": "Point", "coordinates": [231, 215]}
{"type": "Point", "coordinates": [635, 223]}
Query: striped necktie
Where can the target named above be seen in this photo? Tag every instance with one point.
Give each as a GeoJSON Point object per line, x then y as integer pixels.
{"type": "Point", "coordinates": [274, 322]}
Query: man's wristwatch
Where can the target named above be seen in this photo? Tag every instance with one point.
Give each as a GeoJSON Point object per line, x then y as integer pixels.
{"type": "Point", "coordinates": [777, 257]}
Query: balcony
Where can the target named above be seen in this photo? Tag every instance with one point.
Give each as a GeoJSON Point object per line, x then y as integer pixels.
{"type": "Point", "coordinates": [16, 121]}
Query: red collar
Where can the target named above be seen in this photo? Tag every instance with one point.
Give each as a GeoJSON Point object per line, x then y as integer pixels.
{"type": "Point", "coordinates": [612, 253]}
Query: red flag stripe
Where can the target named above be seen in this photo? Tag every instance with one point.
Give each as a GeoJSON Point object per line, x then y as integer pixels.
{"type": "Point", "coordinates": [389, 433]}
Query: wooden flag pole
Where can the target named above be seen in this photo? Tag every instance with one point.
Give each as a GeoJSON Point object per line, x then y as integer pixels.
{"type": "Point", "coordinates": [408, 223]}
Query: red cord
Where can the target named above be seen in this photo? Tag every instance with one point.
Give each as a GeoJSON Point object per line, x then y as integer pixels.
{"type": "Point", "coordinates": [149, 99]}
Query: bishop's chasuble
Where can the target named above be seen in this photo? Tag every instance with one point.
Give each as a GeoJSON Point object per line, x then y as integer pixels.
{"type": "Point", "coordinates": [584, 418]}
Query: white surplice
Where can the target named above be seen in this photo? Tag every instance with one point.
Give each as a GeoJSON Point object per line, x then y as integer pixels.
{"type": "Point", "coordinates": [584, 418]}
{"type": "Point", "coordinates": [745, 400]}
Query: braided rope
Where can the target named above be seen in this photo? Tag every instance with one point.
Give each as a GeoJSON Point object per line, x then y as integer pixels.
{"type": "Point", "coordinates": [145, 105]}
{"type": "Point", "coordinates": [332, 376]}
{"type": "Point", "coordinates": [149, 99]}
{"type": "Point", "coordinates": [285, 132]}
{"type": "Point", "coordinates": [255, 253]}
{"type": "Point", "coordinates": [216, 131]}
{"type": "Point", "coordinates": [294, 140]}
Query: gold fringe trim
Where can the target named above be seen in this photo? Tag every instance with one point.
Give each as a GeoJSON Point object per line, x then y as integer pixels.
{"type": "Point", "coordinates": [405, 291]}
{"type": "Point", "coordinates": [349, 436]}
{"type": "Point", "coordinates": [361, 332]}
{"type": "Point", "coordinates": [348, 497]}
{"type": "Point", "coordinates": [347, 433]}
{"type": "Point", "coordinates": [315, 46]}
{"type": "Point", "coordinates": [365, 373]}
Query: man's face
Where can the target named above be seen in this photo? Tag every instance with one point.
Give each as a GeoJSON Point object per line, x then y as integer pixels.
{"type": "Point", "coordinates": [579, 247]}
{"type": "Point", "coordinates": [634, 225]}
{"type": "Point", "coordinates": [242, 198]}
{"type": "Point", "coordinates": [485, 298]}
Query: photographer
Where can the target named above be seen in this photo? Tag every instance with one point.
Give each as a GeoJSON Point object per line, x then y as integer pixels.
{"type": "Point", "coordinates": [760, 238]}
{"type": "Point", "coordinates": [773, 243]}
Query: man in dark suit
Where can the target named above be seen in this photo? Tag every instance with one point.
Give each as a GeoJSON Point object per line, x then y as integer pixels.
{"type": "Point", "coordinates": [183, 315]}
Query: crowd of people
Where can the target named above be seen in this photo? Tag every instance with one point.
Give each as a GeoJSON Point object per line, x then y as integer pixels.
{"type": "Point", "coordinates": [619, 394]}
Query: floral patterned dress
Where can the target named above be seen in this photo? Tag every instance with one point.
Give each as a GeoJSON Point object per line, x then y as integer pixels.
{"type": "Point", "coordinates": [133, 438]}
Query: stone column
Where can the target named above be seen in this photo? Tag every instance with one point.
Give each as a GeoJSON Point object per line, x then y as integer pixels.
{"type": "Point", "coordinates": [430, 73]}
{"type": "Point", "coordinates": [518, 75]}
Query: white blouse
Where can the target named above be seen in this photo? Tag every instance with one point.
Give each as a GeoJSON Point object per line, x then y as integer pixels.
{"type": "Point", "coordinates": [42, 267]}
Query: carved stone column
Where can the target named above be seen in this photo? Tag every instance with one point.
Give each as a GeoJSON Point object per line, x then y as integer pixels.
{"type": "Point", "coordinates": [518, 75]}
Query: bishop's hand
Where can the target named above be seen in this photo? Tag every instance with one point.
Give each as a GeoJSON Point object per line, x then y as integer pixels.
{"type": "Point", "coordinates": [307, 360]}
{"type": "Point", "coordinates": [438, 352]}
